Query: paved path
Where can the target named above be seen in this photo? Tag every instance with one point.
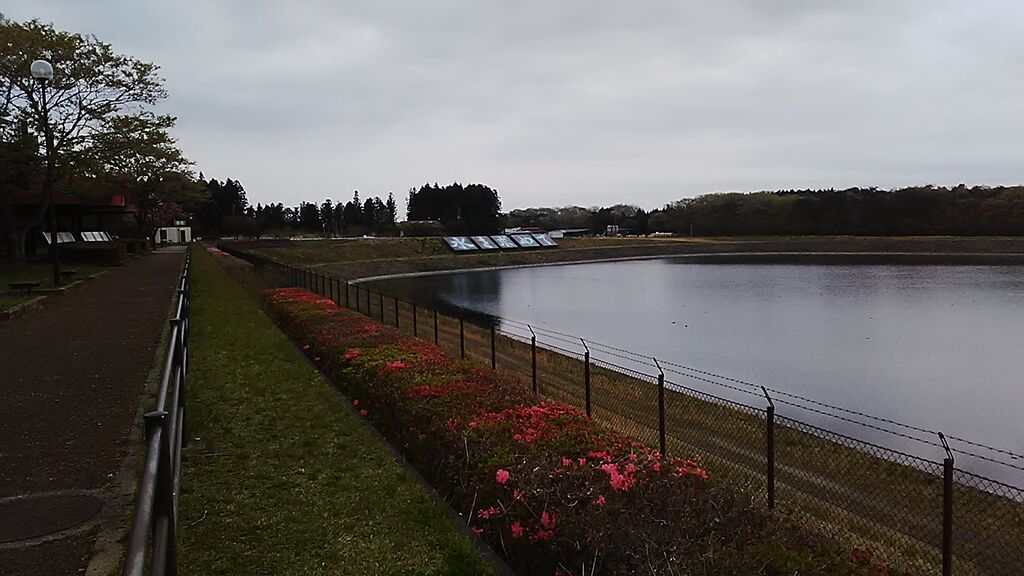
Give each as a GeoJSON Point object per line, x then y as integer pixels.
{"type": "Point", "coordinates": [71, 376]}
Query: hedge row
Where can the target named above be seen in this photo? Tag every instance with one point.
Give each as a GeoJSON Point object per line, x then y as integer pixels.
{"type": "Point", "coordinates": [549, 489]}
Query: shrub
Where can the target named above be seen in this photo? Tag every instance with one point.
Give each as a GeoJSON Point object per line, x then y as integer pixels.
{"type": "Point", "coordinates": [549, 489]}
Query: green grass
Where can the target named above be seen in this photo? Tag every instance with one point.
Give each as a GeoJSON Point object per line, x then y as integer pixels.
{"type": "Point", "coordinates": [39, 271]}
{"type": "Point", "coordinates": [8, 302]}
{"type": "Point", "coordinates": [285, 479]}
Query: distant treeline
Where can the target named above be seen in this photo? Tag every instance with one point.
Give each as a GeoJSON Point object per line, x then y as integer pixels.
{"type": "Point", "coordinates": [226, 211]}
{"type": "Point", "coordinates": [922, 210]}
{"type": "Point", "coordinates": [475, 208]}
{"type": "Point", "coordinates": [469, 209]}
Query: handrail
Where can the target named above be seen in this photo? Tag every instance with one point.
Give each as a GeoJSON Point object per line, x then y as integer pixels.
{"type": "Point", "coordinates": [154, 524]}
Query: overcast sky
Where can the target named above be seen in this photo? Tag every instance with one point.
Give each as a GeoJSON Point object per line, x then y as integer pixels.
{"type": "Point", "coordinates": [587, 102]}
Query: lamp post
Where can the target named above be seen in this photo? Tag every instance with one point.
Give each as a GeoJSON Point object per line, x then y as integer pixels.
{"type": "Point", "coordinates": [42, 72]}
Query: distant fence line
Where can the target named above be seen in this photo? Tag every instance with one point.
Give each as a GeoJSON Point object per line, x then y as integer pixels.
{"type": "Point", "coordinates": [919, 513]}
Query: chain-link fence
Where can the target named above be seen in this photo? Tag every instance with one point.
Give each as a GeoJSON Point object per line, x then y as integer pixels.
{"type": "Point", "coordinates": [925, 516]}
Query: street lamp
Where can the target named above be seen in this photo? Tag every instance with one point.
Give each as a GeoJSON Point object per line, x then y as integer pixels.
{"type": "Point", "coordinates": [42, 72]}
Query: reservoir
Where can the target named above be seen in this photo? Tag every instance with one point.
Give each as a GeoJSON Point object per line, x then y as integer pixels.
{"type": "Point", "coordinates": [939, 348]}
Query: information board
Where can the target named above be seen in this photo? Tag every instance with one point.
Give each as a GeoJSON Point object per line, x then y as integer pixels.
{"type": "Point", "coordinates": [460, 243]}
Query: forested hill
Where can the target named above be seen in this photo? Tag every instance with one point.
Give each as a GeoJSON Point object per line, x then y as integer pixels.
{"type": "Point", "coordinates": [928, 210]}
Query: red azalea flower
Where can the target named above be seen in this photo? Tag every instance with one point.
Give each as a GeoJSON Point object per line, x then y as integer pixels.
{"type": "Point", "coordinates": [362, 412]}
{"type": "Point", "coordinates": [501, 476]}
{"type": "Point", "coordinates": [547, 520]}
{"type": "Point", "coordinates": [517, 530]}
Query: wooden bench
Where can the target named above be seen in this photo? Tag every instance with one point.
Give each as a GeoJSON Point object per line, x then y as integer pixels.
{"type": "Point", "coordinates": [25, 286]}
{"type": "Point", "coordinates": [66, 275]}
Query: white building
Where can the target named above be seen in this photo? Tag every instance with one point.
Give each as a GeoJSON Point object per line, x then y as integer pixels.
{"type": "Point", "coordinates": [173, 235]}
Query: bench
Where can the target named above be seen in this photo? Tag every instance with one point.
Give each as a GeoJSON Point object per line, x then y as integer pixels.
{"type": "Point", "coordinates": [25, 286]}
{"type": "Point", "coordinates": [66, 275]}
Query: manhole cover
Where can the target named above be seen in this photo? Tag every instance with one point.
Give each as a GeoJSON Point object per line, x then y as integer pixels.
{"type": "Point", "coordinates": [27, 517]}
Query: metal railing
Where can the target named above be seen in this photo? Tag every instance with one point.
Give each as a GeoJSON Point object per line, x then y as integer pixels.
{"type": "Point", "coordinates": [153, 539]}
{"type": "Point", "coordinates": [915, 511]}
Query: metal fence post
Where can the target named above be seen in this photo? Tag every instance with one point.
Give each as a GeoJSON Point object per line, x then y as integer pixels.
{"type": "Point", "coordinates": [947, 509]}
{"type": "Point", "coordinates": [164, 553]}
{"type": "Point", "coordinates": [661, 408]}
{"type": "Point", "coordinates": [178, 359]}
{"type": "Point", "coordinates": [435, 327]}
{"type": "Point", "coordinates": [415, 320]}
{"type": "Point", "coordinates": [770, 447]}
{"type": "Point", "coordinates": [494, 362]}
{"type": "Point", "coordinates": [396, 311]}
{"type": "Point", "coordinates": [462, 339]}
{"type": "Point", "coordinates": [586, 375]}
{"type": "Point", "coordinates": [346, 294]}
{"type": "Point", "coordinates": [380, 296]}
{"type": "Point", "coordinates": [533, 357]}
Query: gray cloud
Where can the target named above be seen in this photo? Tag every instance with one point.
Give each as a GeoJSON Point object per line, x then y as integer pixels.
{"type": "Point", "coordinates": [555, 103]}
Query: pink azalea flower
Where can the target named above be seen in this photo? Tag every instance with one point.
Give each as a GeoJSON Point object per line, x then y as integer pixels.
{"type": "Point", "coordinates": [502, 476]}
{"type": "Point", "coordinates": [362, 412]}
{"type": "Point", "coordinates": [517, 530]}
{"type": "Point", "coordinates": [355, 402]}
{"type": "Point", "coordinates": [600, 500]}
{"type": "Point", "coordinates": [477, 531]}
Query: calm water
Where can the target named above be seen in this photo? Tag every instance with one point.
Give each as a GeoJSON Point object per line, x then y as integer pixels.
{"type": "Point", "coordinates": [940, 347]}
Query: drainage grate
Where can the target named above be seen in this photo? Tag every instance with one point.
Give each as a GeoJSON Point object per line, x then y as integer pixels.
{"type": "Point", "coordinates": [27, 517]}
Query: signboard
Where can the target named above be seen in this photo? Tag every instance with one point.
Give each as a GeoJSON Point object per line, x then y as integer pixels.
{"type": "Point", "coordinates": [504, 242]}
{"type": "Point", "coordinates": [460, 243]}
{"type": "Point", "coordinates": [545, 240]}
{"type": "Point", "coordinates": [525, 240]}
{"type": "Point", "coordinates": [499, 242]}
{"type": "Point", "coordinates": [484, 243]}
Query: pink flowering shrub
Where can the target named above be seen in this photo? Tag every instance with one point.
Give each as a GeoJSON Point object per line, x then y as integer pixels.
{"type": "Point", "coordinates": [548, 488]}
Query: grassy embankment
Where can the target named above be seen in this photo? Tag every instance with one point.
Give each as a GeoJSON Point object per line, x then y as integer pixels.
{"type": "Point", "coordinates": [358, 258]}
{"type": "Point", "coordinates": [845, 490]}
{"type": "Point", "coordinates": [839, 489]}
{"type": "Point", "coordinates": [285, 479]}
